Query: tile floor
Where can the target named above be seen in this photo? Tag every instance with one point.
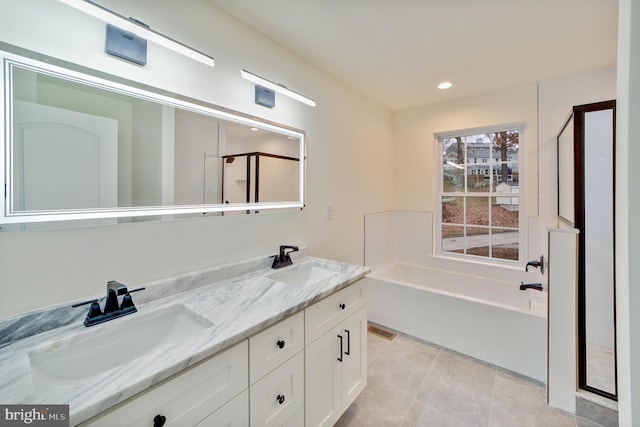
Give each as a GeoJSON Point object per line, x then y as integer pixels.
{"type": "Point", "coordinates": [413, 383]}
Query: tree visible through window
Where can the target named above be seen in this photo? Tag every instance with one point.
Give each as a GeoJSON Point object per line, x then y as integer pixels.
{"type": "Point", "coordinates": [480, 191]}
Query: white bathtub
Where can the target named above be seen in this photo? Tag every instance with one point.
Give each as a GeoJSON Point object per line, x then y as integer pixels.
{"type": "Point", "coordinates": [486, 318]}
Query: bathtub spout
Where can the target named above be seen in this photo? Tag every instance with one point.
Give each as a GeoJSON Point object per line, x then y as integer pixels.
{"type": "Point", "coordinates": [536, 263]}
{"type": "Point", "coordinates": [536, 286]}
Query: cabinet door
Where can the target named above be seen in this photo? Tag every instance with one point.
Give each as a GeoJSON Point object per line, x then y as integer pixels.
{"type": "Point", "coordinates": [322, 379]}
{"type": "Point", "coordinates": [233, 414]}
{"type": "Point", "coordinates": [354, 366]}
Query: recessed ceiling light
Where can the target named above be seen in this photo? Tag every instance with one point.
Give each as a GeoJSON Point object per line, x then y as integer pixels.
{"type": "Point", "coordinates": [254, 129]}
{"type": "Point", "coordinates": [445, 85]}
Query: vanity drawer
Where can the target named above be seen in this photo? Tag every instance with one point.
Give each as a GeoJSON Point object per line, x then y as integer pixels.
{"type": "Point", "coordinates": [324, 315]}
{"type": "Point", "coordinates": [297, 420]}
{"type": "Point", "coordinates": [186, 398]}
{"type": "Point", "coordinates": [278, 396]}
{"type": "Point", "coordinates": [232, 414]}
{"type": "Point", "coordinates": [274, 346]}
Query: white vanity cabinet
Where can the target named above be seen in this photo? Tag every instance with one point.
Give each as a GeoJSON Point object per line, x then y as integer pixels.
{"type": "Point", "coordinates": [336, 361]}
{"type": "Point", "coordinates": [303, 371]}
{"type": "Point", "coordinates": [187, 398]}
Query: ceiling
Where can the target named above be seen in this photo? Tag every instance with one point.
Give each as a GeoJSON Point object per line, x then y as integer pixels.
{"type": "Point", "coordinates": [397, 51]}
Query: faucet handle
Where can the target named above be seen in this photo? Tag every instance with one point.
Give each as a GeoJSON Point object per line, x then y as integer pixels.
{"type": "Point", "coordinates": [127, 301]}
{"type": "Point", "coordinates": [94, 310]}
{"type": "Point", "coordinates": [91, 301]}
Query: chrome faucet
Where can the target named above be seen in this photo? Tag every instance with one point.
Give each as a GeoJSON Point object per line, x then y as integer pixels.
{"type": "Point", "coordinates": [283, 259]}
{"type": "Point", "coordinates": [112, 309]}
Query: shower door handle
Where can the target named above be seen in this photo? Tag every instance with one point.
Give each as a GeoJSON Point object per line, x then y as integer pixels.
{"type": "Point", "coordinates": [340, 358]}
{"type": "Point", "coordinates": [348, 352]}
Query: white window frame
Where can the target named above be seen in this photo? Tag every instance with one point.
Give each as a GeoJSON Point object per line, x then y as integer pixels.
{"type": "Point", "coordinates": [439, 193]}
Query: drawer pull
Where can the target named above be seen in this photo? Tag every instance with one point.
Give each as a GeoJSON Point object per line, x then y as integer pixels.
{"type": "Point", "coordinates": [159, 420]}
{"type": "Point", "coordinates": [342, 306]}
{"type": "Point", "coordinates": [280, 343]}
{"type": "Point", "coordinates": [280, 399]}
{"type": "Point", "coordinates": [348, 352]}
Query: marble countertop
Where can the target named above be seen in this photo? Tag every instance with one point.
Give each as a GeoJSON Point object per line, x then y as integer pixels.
{"type": "Point", "coordinates": [237, 300]}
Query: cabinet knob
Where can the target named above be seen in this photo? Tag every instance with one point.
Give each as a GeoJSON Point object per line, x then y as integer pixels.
{"type": "Point", "coordinates": [342, 306]}
{"type": "Point", "coordinates": [159, 420]}
{"type": "Point", "coordinates": [280, 344]}
{"type": "Point", "coordinates": [280, 398]}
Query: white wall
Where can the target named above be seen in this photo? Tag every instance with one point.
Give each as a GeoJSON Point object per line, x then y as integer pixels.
{"type": "Point", "coordinates": [396, 236]}
{"type": "Point", "coordinates": [414, 138]}
{"type": "Point", "coordinates": [627, 212]}
{"type": "Point", "coordinates": [348, 155]}
{"type": "Point", "coordinates": [562, 353]}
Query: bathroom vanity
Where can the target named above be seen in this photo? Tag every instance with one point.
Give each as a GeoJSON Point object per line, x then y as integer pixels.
{"type": "Point", "coordinates": [236, 345]}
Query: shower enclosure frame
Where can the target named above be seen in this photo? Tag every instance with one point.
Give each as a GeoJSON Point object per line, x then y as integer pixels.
{"type": "Point", "coordinates": [256, 184]}
{"type": "Point", "coordinates": [579, 222]}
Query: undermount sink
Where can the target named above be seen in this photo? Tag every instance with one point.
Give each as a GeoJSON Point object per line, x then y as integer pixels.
{"type": "Point", "coordinates": [102, 348]}
{"type": "Point", "coordinates": [303, 275]}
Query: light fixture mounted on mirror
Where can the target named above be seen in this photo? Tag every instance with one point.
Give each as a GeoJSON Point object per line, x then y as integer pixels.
{"type": "Point", "coordinates": [277, 87]}
{"type": "Point", "coordinates": [138, 29]}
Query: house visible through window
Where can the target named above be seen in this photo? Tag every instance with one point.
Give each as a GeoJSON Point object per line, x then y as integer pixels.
{"type": "Point", "coordinates": [480, 204]}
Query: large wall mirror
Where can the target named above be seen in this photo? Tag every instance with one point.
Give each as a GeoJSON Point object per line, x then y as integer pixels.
{"type": "Point", "coordinates": [81, 147]}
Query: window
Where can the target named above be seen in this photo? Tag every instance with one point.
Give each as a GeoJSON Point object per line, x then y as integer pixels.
{"type": "Point", "coordinates": [480, 208]}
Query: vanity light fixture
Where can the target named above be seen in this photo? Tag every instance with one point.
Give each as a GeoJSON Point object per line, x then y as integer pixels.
{"type": "Point", "coordinates": [139, 29]}
{"type": "Point", "coordinates": [277, 87]}
{"type": "Point", "coordinates": [445, 85]}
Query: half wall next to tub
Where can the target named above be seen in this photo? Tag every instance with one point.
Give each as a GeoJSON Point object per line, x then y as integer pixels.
{"type": "Point", "coordinates": [471, 307]}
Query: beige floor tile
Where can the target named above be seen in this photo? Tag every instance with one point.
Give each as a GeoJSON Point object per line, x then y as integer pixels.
{"type": "Point", "coordinates": [421, 415]}
{"type": "Point", "coordinates": [416, 384]}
